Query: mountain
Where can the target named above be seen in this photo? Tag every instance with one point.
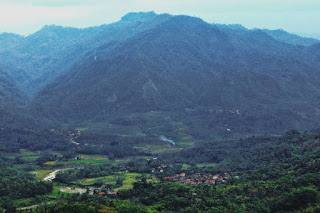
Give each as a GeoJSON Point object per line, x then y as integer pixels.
{"type": "Point", "coordinates": [231, 26]}
{"type": "Point", "coordinates": [8, 90]}
{"type": "Point", "coordinates": [13, 105]}
{"type": "Point", "coordinates": [289, 38]}
{"type": "Point", "coordinates": [185, 75]}
{"type": "Point", "coordinates": [38, 59]}
{"type": "Point", "coordinates": [279, 35]}
{"type": "Point", "coordinates": [11, 99]}
{"type": "Point", "coordinates": [310, 35]}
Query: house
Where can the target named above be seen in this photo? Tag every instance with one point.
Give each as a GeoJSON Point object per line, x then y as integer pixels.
{"type": "Point", "coordinates": [101, 193]}
{"type": "Point", "coordinates": [183, 174]}
{"type": "Point", "coordinates": [212, 181]}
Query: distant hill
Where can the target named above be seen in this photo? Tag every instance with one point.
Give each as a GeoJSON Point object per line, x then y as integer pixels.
{"type": "Point", "coordinates": [289, 38]}
{"type": "Point", "coordinates": [279, 35]}
{"type": "Point", "coordinates": [310, 35]}
{"type": "Point", "coordinates": [202, 78]}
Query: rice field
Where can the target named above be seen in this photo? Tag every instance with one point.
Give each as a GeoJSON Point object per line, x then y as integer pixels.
{"type": "Point", "coordinates": [50, 163]}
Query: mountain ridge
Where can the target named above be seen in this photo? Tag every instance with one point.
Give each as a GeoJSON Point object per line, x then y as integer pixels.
{"type": "Point", "coordinates": [185, 62]}
{"type": "Point", "coordinates": [208, 78]}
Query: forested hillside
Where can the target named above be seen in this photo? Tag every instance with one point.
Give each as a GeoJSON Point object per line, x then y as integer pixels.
{"type": "Point", "coordinates": [159, 73]}
{"type": "Point", "coordinates": [38, 59]}
{"type": "Point", "coordinates": [225, 81]}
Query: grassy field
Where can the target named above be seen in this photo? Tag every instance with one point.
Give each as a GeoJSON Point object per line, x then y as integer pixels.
{"type": "Point", "coordinates": [128, 180]}
{"type": "Point", "coordinates": [50, 163]}
{"type": "Point", "coordinates": [24, 202]}
{"type": "Point", "coordinates": [89, 159]}
{"type": "Point", "coordinates": [56, 192]}
{"type": "Point", "coordinates": [185, 166]}
{"type": "Point", "coordinates": [206, 165]}
{"type": "Point", "coordinates": [40, 174]}
{"type": "Point", "coordinates": [91, 181]}
{"type": "Point", "coordinates": [28, 155]}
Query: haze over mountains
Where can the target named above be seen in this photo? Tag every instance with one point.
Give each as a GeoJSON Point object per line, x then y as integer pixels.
{"type": "Point", "coordinates": [162, 73]}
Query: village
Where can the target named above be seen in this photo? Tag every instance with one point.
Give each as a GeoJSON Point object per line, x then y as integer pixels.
{"type": "Point", "coordinates": [194, 178]}
{"type": "Point", "coordinates": [198, 178]}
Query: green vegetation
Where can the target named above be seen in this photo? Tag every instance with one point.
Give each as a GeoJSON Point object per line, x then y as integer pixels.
{"type": "Point", "coordinates": [91, 181]}
{"type": "Point", "coordinates": [185, 166]}
{"type": "Point", "coordinates": [40, 174]}
{"type": "Point", "coordinates": [202, 165]}
{"type": "Point", "coordinates": [16, 184]}
{"type": "Point", "coordinates": [268, 174]}
{"type": "Point", "coordinates": [91, 161]}
{"type": "Point", "coordinates": [159, 113]}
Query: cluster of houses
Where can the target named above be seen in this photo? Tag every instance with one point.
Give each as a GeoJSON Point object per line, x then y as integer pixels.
{"type": "Point", "coordinates": [160, 168]}
{"type": "Point", "coordinates": [109, 193]}
{"type": "Point", "coordinates": [198, 178]}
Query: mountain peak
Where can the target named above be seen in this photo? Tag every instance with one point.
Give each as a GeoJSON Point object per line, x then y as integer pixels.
{"type": "Point", "coordinates": [137, 16]}
{"type": "Point", "coordinates": [231, 26]}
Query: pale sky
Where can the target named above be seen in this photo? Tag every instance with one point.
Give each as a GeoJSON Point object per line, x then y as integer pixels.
{"type": "Point", "coordinates": [27, 16]}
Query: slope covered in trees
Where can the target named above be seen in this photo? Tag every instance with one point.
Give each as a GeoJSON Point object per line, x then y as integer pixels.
{"type": "Point", "coordinates": [222, 80]}
{"type": "Point", "coordinates": [38, 59]}
{"type": "Point", "coordinates": [173, 72]}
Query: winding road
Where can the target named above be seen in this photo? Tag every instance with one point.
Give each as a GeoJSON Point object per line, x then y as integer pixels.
{"type": "Point", "coordinates": [53, 174]}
